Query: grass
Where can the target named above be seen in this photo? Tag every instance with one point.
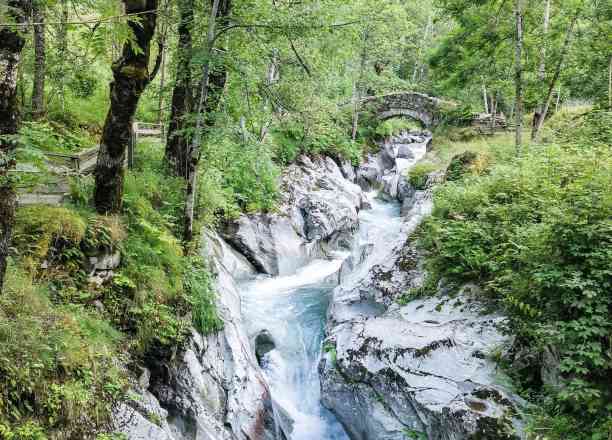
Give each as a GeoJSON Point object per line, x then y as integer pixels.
{"type": "Point", "coordinates": [65, 343]}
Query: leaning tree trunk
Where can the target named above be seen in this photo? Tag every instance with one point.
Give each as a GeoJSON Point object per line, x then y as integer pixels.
{"type": "Point", "coordinates": [62, 49]}
{"type": "Point", "coordinates": [518, 76]}
{"type": "Point", "coordinates": [177, 144]}
{"type": "Point", "coordinates": [359, 86]}
{"type": "Point", "coordinates": [38, 87]}
{"type": "Point", "coordinates": [542, 68]}
{"type": "Point", "coordinates": [553, 82]}
{"type": "Point", "coordinates": [211, 89]}
{"type": "Point", "coordinates": [130, 78]}
{"type": "Point", "coordinates": [11, 44]}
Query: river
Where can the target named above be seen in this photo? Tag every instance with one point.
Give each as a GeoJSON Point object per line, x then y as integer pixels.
{"type": "Point", "coordinates": [293, 308]}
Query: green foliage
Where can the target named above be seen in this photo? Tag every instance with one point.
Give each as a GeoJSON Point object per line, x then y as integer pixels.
{"type": "Point", "coordinates": [243, 177]}
{"type": "Point", "coordinates": [57, 363]}
{"type": "Point", "coordinates": [45, 136]}
{"type": "Point", "coordinates": [418, 174]}
{"type": "Point", "coordinates": [51, 235]}
{"type": "Point", "coordinates": [459, 165]}
{"type": "Point", "coordinates": [415, 435]}
{"type": "Point", "coordinates": [252, 177]}
{"type": "Point", "coordinates": [395, 126]}
{"type": "Point", "coordinates": [64, 342]}
{"type": "Point", "coordinates": [536, 233]}
{"type": "Point", "coordinates": [322, 136]}
{"type": "Point", "coordinates": [83, 83]}
{"type": "Point", "coordinates": [199, 288]}
{"type": "Point", "coordinates": [330, 348]}
{"type": "Point", "coordinates": [580, 126]}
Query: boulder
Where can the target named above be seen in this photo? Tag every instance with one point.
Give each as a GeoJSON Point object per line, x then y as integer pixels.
{"type": "Point", "coordinates": [460, 165]}
{"type": "Point", "coordinates": [318, 204]}
{"type": "Point", "coordinates": [419, 367]}
{"type": "Point", "coordinates": [264, 343]}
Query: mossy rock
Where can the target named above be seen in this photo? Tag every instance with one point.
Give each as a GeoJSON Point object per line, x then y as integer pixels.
{"type": "Point", "coordinates": [460, 165]}
{"type": "Point", "coordinates": [419, 175]}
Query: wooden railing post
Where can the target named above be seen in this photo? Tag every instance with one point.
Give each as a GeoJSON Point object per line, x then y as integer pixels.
{"type": "Point", "coordinates": [132, 145]}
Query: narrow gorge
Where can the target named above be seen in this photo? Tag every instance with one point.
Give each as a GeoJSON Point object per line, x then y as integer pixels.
{"type": "Point", "coordinates": [320, 339]}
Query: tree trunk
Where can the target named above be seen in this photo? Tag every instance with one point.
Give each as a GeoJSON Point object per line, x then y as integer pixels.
{"type": "Point", "coordinates": [493, 124]}
{"type": "Point", "coordinates": [11, 45]}
{"type": "Point", "coordinates": [272, 77]}
{"type": "Point", "coordinates": [211, 89]}
{"type": "Point", "coordinates": [38, 87]}
{"type": "Point", "coordinates": [518, 77]}
{"type": "Point", "coordinates": [177, 144]}
{"type": "Point", "coordinates": [553, 82]}
{"type": "Point", "coordinates": [358, 90]}
{"type": "Point", "coordinates": [62, 37]}
{"type": "Point", "coordinates": [162, 84]}
{"type": "Point", "coordinates": [610, 84]}
{"type": "Point", "coordinates": [542, 68]}
{"type": "Point", "coordinates": [485, 99]}
{"type": "Point", "coordinates": [130, 78]}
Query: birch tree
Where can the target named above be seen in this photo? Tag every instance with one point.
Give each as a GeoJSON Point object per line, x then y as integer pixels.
{"type": "Point", "coordinates": [11, 45]}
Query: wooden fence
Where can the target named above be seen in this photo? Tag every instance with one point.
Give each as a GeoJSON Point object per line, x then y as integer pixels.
{"type": "Point", "coordinates": [62, 166]}
{"type": "Point", "coordinates": [142, 129]}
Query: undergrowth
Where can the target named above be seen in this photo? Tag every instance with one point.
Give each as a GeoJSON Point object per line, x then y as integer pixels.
{"type": "Point", "coordinates": [65, 341]}
{"type": "Point", "coordinates": [535, 233]}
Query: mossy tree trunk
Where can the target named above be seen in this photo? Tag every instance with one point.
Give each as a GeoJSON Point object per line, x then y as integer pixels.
{"type": "Point", "coordinates": [177, 144]}
{"type": "Point", "coordinates": [11, 45]}
{"type": "Point", "coordinates": [130, 78]}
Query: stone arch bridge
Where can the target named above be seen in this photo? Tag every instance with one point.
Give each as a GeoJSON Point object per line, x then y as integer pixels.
{"type": "Point", "coordinates": [419, 106]}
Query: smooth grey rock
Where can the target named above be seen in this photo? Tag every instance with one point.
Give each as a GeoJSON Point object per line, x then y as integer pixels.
{"type": "Point", "coordinates": [318, 203]}
{"type": "Point", "coordinates": [388, 153]}
{"type": "Point", "coordinates": [421, 367]}
{"type": "Point", "coordinates": [369, 173]}
{"type": "Point", "coordinates": [348, 170]}
{"type": "Point", "coordinates": [104, 261]}
{"type": "Point", "coordinates": [143, 418]}
{"type": "Point", "coordinates": [264, 343]}
{"type": "Point", "coordinates": [404, 151]}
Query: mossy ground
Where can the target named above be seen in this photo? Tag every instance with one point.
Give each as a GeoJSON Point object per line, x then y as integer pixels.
{"type": "Point", "coordinates": [66, 345]}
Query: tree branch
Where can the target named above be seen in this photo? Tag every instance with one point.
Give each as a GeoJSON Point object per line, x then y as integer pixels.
{"type": "Point", "coordinates": [158, 60]}
{"type": "Point", "coordinates": [300, 60]}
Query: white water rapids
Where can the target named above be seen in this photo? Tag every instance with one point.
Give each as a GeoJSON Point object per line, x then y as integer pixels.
{"type": "Point", "coordinates": [293, 307]}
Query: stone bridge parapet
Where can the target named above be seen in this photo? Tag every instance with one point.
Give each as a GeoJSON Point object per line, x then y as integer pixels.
{"type": "Point", "coordinates": [419, 106]}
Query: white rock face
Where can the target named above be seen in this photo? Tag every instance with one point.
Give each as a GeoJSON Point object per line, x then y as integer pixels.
{"type": "Point", "coordinates": [318, 204]}
{"type": "Point", "coordinates": [395, 370]}
{"type": "Point", "coordinates": [402, 368]}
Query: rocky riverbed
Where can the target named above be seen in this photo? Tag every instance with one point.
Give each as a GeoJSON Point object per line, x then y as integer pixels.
{"type": "Point", "coordinates": [390, 368]}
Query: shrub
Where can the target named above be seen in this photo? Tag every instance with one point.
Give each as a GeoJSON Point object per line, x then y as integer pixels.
{"type": "Point", "coordinates": [418, 174]}
{"type": "Point", "coordinates": [536, 233]}
{"type": "Point", "coordinates": [322, 137]}
{"type": "Point", "coordinates": [57, 365]}
{"type": "Point", "coordinates": [394, 126]}
{"type": "Point", "coordinates": [199, 288]}
{"type": "Point", "coordinates": [51, 235]}
{"type": "Point", "coordinates": [466, 163]}
{"type": "Point", "coordinates": [46, 136]}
